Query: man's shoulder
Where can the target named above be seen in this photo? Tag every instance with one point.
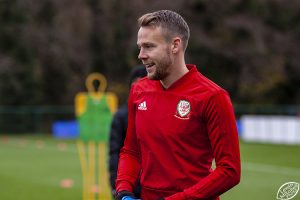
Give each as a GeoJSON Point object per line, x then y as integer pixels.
{"type": "Point", "coordinates": [145, 84]}
{"type": "Point", "coordinates": [122, 111]}
{"type": "Point", "coordinates": [202, 84]}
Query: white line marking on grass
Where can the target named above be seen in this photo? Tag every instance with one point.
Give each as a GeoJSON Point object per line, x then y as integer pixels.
{"type": "Point", "coordinates": [271, 169]}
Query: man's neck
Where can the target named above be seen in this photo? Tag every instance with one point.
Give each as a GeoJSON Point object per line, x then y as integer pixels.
{"type": "Point", "coordinates": [176, 73]}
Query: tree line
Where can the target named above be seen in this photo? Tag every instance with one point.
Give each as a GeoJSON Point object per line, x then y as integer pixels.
{"type": "Point", "coordinates": [48, 47]}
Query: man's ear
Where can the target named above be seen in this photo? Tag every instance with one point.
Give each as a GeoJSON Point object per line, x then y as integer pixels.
{"type": "Point", "coordinates": [176, 45]}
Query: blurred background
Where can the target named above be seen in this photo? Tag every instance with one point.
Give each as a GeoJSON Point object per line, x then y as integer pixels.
{"type": "Point", "coordinates": [251, 48]}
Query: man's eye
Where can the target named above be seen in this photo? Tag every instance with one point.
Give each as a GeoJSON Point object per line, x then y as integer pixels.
{"type": "Point", "coordinates": [148, 46]}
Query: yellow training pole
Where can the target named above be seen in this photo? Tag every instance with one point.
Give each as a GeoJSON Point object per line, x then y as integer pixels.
{"type": "Point", "coordinates": [92, 170]}
{"type": "Point", "coordinates": [104, 189]}
{"type": "Point", "coordinates": [83, 163]}
{"type": "Point", "coordinates": [99, 171]}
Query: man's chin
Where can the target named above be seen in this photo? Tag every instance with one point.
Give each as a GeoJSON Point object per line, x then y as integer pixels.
{"type": "Point", "coordinates": [152, 76]}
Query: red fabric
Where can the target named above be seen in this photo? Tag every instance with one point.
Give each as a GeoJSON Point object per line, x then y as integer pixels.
{"type": "Point", "coordinates": [173, 153]}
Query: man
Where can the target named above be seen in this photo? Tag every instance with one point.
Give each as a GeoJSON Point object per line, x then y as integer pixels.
{"type": "Point", "coordinates": [118, 133]}
{"type": "Point", "coordinates": [178, 122]}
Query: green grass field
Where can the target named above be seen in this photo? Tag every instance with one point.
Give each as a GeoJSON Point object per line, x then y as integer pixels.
{"type": "Point", "coordinates": [33, 168]}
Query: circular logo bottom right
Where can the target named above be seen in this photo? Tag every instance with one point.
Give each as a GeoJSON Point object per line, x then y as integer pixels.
{"type": "Point", "coordinates": [288, 191]}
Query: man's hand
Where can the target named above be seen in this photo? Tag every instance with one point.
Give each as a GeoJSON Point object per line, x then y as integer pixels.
{"type": "Point", "coordinates": [129, 198]}
{"type": "Point", "coordinates": [125, 195]}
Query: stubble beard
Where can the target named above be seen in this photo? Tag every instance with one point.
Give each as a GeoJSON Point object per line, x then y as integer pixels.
{"type": "Point", "coordinates": [162, 68]}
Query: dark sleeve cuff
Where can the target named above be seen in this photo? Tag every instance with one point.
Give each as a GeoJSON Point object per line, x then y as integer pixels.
{"type": "Point", "coordinates": [122, 194]}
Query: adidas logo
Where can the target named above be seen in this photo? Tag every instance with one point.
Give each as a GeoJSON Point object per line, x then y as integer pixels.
{"type": "Point", "coordinates": [142, 106]}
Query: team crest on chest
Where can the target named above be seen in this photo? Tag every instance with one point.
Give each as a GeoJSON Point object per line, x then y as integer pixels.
{"type": "Point", "coordinates": [183, 109]}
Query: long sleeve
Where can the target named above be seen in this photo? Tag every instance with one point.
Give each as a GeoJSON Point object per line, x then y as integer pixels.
{"type": "Point", "coordinates": [116, 142]}
{"type": "Point", "coordinates": [223, 137]}
{"type": "Point", "coordinates": [129, 163]}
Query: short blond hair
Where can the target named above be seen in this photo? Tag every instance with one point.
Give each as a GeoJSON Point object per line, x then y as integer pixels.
{"type": "Point", "coordinates": [171, 23]}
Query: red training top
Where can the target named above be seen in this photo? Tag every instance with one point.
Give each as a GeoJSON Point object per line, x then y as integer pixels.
{"type": "Point", "coordinates": [173, 136]}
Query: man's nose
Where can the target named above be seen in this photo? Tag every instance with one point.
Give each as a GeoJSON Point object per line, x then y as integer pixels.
{"type": "Point", "coordinates": [142, 55]}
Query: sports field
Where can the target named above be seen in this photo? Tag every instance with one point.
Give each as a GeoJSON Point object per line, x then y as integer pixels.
{"type": "Point", "coordinates": [35, 167]}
